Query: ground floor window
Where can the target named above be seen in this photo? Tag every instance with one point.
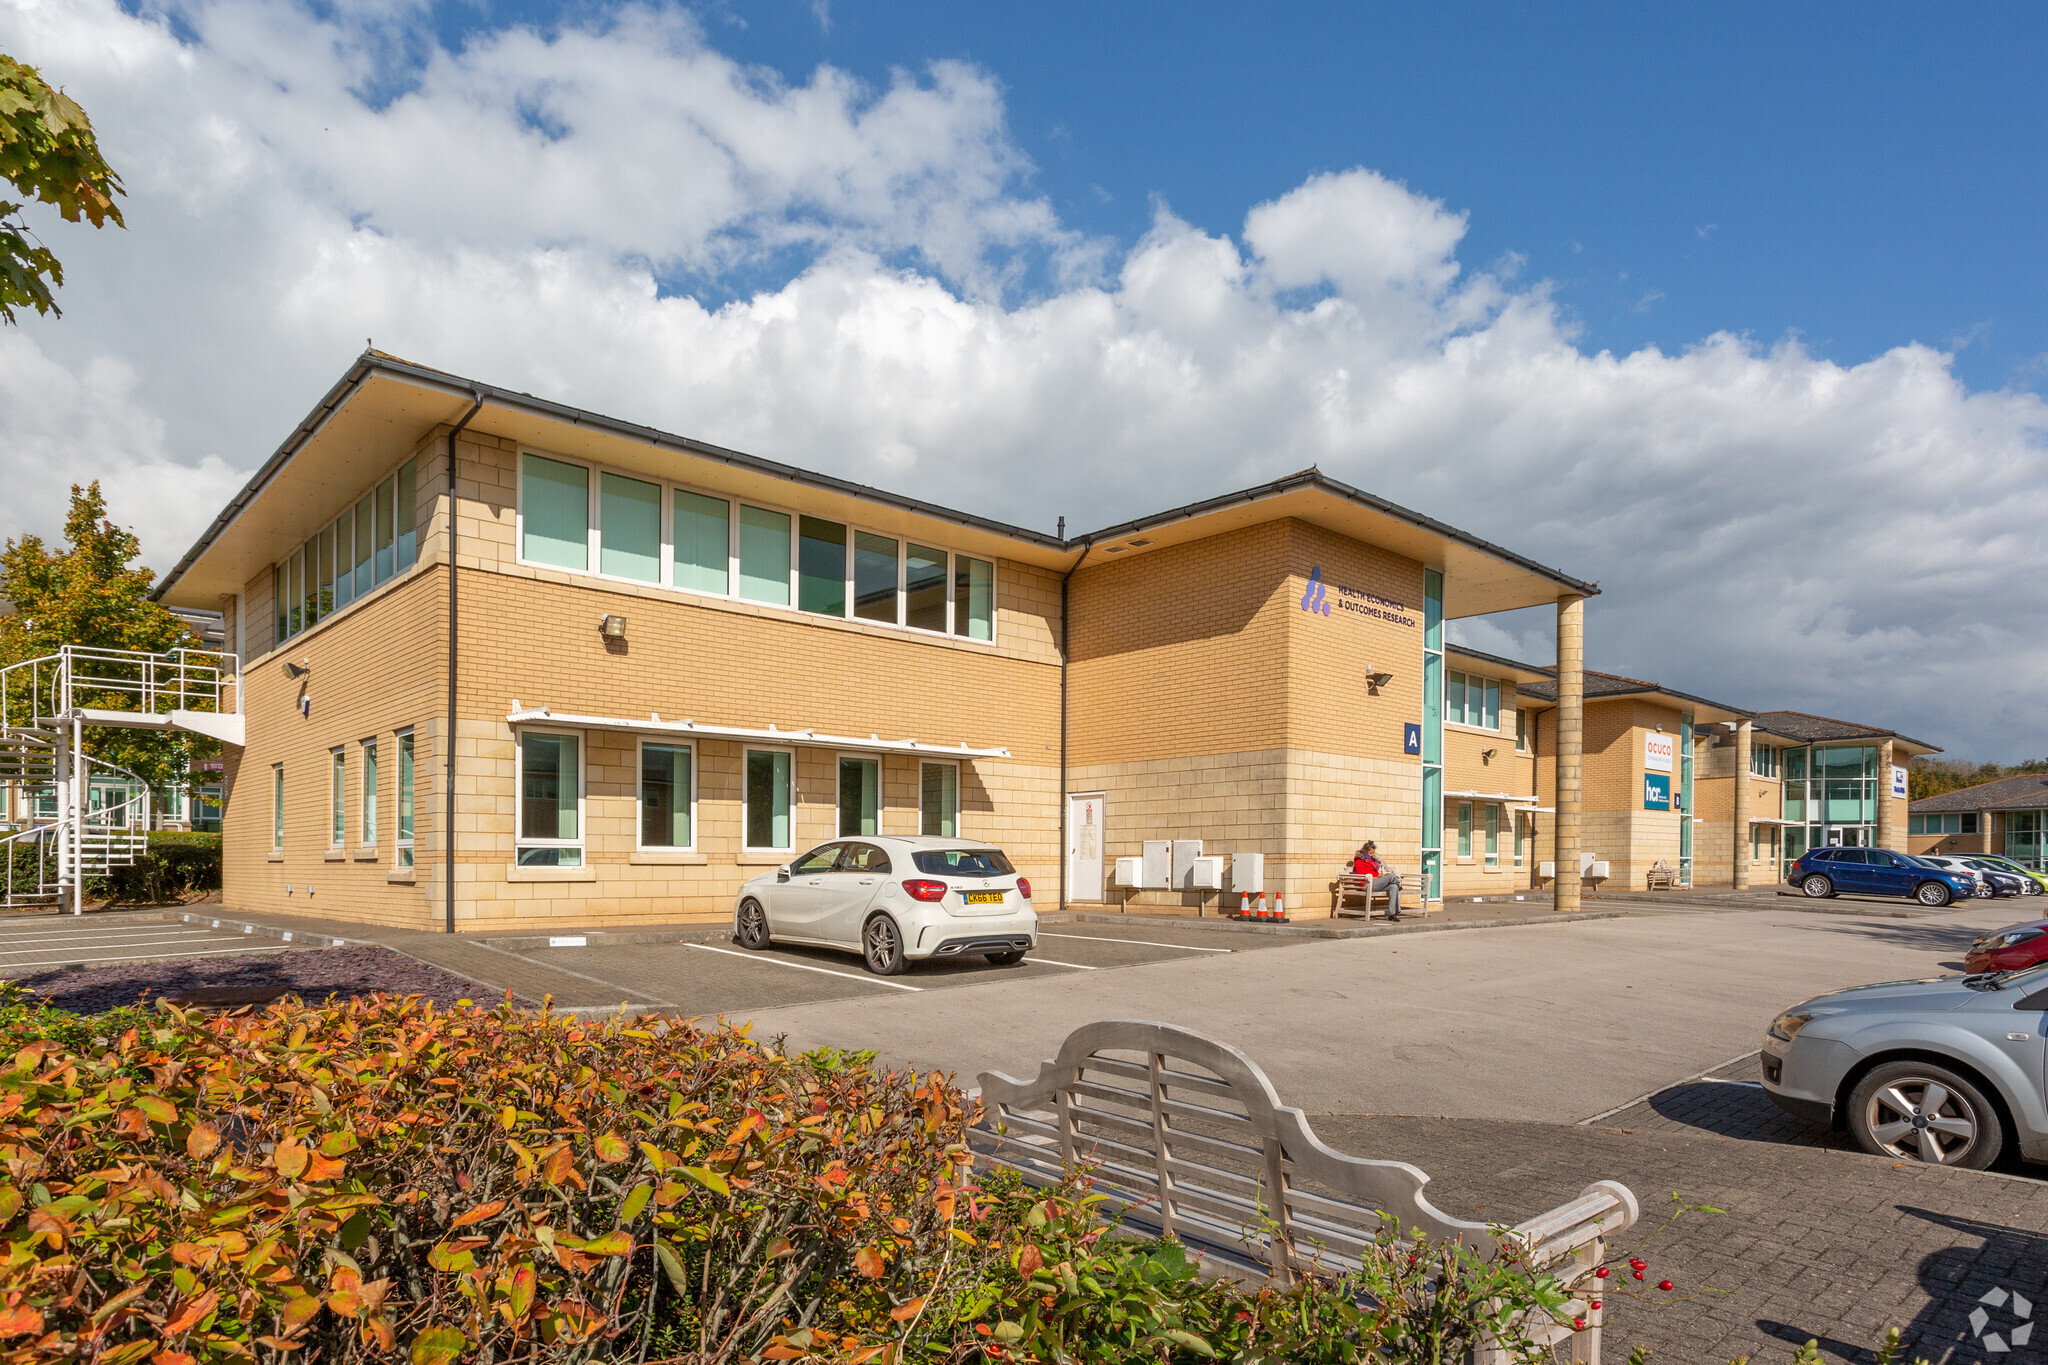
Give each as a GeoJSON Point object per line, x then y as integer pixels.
{"type": "Point", "coordinates": [1465, 831]}
{"type": "Point", "coordinates": [277, 806]}
{"type": "Point", "coordinates": [1763, 843]}
{"type": "Point", "coordinates": [369, 793]}
{"type": "Point", "coordinates": [405, 798]}
{"type": "Point", "coordinates": [860, 797]}
{"type": "Point", "coordinates": [337, 798]}
{"type": "Point", "coordinates": [768, 800]}
{"type": "Point", "coordinates": [1958, 823]}
{"type": "Point", "coordinates": [667, 799]}
{"type": "Point", "coordinates": [1493, 836]}
{"type": "Point", "coordinates": [1522, 822]}
{"type": "Point", "coordinates": [939, 800]}
{"type": "Point", "coordinates": [550, 800]}
{"type": "Point", "coordinates": [2023, 837]}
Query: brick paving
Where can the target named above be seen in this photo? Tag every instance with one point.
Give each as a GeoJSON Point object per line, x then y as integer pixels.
{"type": "Point", "coordinates": [1813, 1241]}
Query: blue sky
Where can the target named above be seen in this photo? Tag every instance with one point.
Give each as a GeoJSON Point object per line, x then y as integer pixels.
{"type": "Point", "coordinates": [1734, 309]}
{"type": "Point", "coordinates": [1860, 175]}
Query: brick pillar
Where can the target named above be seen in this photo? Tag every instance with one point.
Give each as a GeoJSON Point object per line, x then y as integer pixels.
{"type": "Point", "coordinates": [1571, 745]}
{"type": "Point", "coordinates": [1887, 827]}
{"type": "Point", "coordinates": [1742, 832]}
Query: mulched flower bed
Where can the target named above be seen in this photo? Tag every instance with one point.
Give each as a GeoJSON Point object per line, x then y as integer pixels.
{"type": "Point", "coordinates": [312, 974]}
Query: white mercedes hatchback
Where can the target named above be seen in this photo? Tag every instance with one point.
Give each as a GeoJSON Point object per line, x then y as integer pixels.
{"type": "Point", "coordinates": [893, 901]}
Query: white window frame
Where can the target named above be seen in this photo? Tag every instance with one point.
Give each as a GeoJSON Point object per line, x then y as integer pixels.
{"type": "Point", "coordinates": [746, 749]}
{"type": "Point", "coordinates": [519, 840]}
{"type": "Point", "coordinates": [640, 795]}
{"type": "Point", "coordinates": [1524, 827]}
{"type": "Point", "coordinates": [372, 780]}
{"type": "Point", "coordinates": [1478, 727]}
{"type": "Point", "coordinates": [959, 806]}
{"type": "Point", "coordinates": [881, 774]}
{"type": "Point", "coordinates": [594, 547]}
{"type": "Point", "coordinates": [1463, 825]}
{"type": "Point", "coordinates": [337, 796]}
{"type": "Point", "coordinates": [402, 741]}
{"type": "Point", "coordinates": [1490, 845]}
{"type": "Point", "coordinates": [282, 569]}
{"type": "Point", "coordinates": [277, 808]}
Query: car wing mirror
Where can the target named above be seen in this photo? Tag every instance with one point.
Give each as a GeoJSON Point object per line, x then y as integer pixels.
{"type": "Point", "coordinates": [782, 874]}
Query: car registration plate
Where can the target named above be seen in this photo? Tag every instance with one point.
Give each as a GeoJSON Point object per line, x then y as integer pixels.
{"type": "Point", "coordinates": [981, 898]}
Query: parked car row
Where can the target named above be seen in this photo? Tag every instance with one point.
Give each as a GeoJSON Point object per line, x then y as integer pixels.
{"type": "Point", "coordinates": [1933, 880]}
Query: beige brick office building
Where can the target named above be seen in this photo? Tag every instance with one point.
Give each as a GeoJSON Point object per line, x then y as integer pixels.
{"type": "Point", "coordinates": [587, 672]}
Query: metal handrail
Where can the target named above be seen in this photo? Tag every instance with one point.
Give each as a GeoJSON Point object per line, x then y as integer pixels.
{"type": "Point", "coordinates": [186, 679]}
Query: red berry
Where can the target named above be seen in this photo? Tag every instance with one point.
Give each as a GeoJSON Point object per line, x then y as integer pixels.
{"type": "Point", "coordinates": [1601, 1273]}
{"type": "Point", "coordinates": [1596, 1305]}
{"type": "Point", "coordinates": [1664, 1284]}
{"type": "Point", "coordinates": [1578, 1324]}
{"type": "Point", "coordinates": [1639, 1274]}
{"type": "Point", "coordinates": [1634, 1264]}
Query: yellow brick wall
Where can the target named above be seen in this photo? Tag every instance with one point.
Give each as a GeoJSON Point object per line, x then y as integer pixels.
{"type": "Point", "coordinates": [1467, 769]}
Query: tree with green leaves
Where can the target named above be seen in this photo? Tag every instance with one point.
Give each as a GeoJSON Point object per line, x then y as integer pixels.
{"type": "Point", "coordinates": [48, 153]}
{"type": "Point", "coordinates": [91, 591]}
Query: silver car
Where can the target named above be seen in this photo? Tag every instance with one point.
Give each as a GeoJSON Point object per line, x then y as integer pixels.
{"type": "Point", "coordinates": [1951, 1071]}
{"type": "Point", "coordinates": [894, 900]}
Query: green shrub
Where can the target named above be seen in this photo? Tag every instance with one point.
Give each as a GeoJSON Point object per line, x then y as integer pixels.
{"type": "Point", "coordinates": [176, 864]}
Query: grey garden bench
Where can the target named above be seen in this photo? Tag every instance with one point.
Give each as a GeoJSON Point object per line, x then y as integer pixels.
{"type": "Point", "coordinates": [1187, 1137]}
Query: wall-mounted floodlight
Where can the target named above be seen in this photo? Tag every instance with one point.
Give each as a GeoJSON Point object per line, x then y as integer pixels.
{"type": "Point", "coordinates": [297, 670]}
{"type": "Point", "coordinates": [613, 627]}
{"type": "Point", "coordinates": [1375, 681]}
{"type": "Point", "coordinates": [1486, 755]}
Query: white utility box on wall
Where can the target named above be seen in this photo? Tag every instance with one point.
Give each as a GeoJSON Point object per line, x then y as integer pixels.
{"type": "Point", "coordinates": [1248, 873]}
{"type": "Point", "coordinates": [1185, 851]}
{"type": "Point", "coordinates": [1206, 875]}
{"type": "Point", "coordinates": [1158, 872]}
{"type": "Point", "coordinates": [1130, 872]}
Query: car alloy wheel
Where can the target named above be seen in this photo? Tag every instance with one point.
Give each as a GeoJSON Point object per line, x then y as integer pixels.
{"type": "Point", "coordinates": [753, 931]}
{"type": "Point", "coordinates": [1817, 886]}
{"type": "Point", "coordinates": [1933, 893]}
{"type": "Point", "coordinates": [1916, 1111]}
{"type": "Point", "coordinates": [882, 946]}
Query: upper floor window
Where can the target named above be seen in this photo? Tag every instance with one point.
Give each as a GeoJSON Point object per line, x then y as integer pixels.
{"type": "Point", "coordinates": [1472, 700]}
{"type": "Point", "coordinates": [370, 543]}
{"type": "Point", "coordinates": [1763, 760]}
{"type": "Point", "coordinates": [589, 520]}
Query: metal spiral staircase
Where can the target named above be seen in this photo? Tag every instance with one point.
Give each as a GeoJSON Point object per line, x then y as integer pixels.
{"type": "Point", "coordinates": [46, 707]}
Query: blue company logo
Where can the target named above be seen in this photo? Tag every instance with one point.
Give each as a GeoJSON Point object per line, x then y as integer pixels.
{"type": "Point", "coordinates": [1656, 791]}
{"type": "Point", "coordinates": [1317, 598]}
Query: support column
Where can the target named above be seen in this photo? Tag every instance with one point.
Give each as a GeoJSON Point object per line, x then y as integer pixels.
{"type": "Point", "coordinates": [1887, 827]}
{"type": "Point", "coordinates": [1742, 834]}
{"type": "Point", "coordinates": [1571, 745]}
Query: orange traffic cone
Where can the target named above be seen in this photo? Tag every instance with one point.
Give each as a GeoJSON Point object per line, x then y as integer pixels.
{"type": "Point", "coordinates": [1280, 909]}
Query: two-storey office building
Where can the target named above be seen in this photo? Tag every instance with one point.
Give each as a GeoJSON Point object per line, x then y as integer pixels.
{"type": "Point", "coordinates": [2008, 817]}
{"type": "Point", "coordinates": [509, 661]}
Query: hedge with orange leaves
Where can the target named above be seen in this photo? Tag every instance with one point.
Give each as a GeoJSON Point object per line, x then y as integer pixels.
{"type": "Point", "coordinates": [384, 1181]}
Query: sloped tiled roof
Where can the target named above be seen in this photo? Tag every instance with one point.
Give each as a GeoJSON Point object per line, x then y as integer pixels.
{"type": "Point", "coordinates": [2029, 791]}
{"type": "Point", "coordinates": [1812, 729]}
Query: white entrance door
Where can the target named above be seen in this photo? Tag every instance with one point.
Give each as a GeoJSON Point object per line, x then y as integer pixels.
{"type": "Point", "coordinates": [1084, 847]}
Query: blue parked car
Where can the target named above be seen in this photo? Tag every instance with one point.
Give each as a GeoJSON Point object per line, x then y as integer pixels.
{"type": "Point", "coordinates": [1878, 872]}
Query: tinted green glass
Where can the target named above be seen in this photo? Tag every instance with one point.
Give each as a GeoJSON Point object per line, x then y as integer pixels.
{"type": "Point", "coordinates": [821, 566]}
{"type": "Point", "coordinates": [408, 515]}
{"type": "Point", "coordinates": [554, 513]}
{"type": "Point", "coordinates": [629, 528]}
{"type": "Point", "coordinates": [974, 598]}
{"type": "Point", "coordinates": [874, 577]}
{"type": "Point", "coordinates": [924, 587]}
{"type": "Point", "coordinates": [939, 800]}
{"type": "Point", "coordinates": [549, 775]}
{"type": "Point", "coordinates": [664, 796]}
{"type": "Point", "coordinates": [344, 556]}
{"type": "Point", "coordinates": [764, 556]}
{"type": "Point", "coordinates": [702, 543]}
{"type": "Point", "coordinates": [767, 799]}
{"type": "Point", "coordinates": [860, 797]}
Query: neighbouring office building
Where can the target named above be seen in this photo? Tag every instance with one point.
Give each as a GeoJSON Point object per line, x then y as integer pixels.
{"type": "Point", "coordinates": [2008, 817]}
{"type": "Point", "coordinates": [505, 661]}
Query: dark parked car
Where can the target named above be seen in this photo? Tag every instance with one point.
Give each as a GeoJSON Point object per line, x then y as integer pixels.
{"type": "Point", "coordinates": [1878, 872]}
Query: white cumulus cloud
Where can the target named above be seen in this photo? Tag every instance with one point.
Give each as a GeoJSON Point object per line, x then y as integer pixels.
{"type": "Point", "coordinates": [863, 280]}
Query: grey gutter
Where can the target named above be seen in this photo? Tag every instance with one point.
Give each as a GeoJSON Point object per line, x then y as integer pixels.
{"type": "Point", "coordinates": [1315, 478]}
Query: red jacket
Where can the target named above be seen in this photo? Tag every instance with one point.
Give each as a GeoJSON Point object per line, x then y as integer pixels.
{"type": "Point", "coordinates": [1366, 867]}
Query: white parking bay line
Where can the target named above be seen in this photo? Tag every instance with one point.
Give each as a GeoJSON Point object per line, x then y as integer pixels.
{"type": "Point", "coordinates": [1048, 962]}
{"type": "Point", "coordinates": [105, 947]}
{"type": "Point", "coordinates": [803, 966]}
{"type": "Point", "coordinates": [1141, 942]}
{"type": "Point", "coordinates": [154, 957]}
{"type": "Point", "coordinates": [93, 935]}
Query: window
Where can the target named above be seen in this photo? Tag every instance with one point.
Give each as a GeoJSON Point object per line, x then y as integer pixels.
{"type": "Point", "coordinates": [1763, 760]}
{"type": "Point", "coordinates": [863, 858]}
{"type": "Point", "coordinates": [277, 806]}
{"type": "Point", "coordinates": [823, 858]}
{"type": "Point", "coordinates": [703, 543]}
{"type": "Point", "coordinates": [764, 556]}
{"type": "Point", "coordinates": [629, 528]}
{"type": "Point", "coordinates": [974, 598]}
{"type": "Point", "coordinates": [860, 796]}
{"type": "Point", "coordinates": [554, 513]}
{"type": "Point", "coordinates": [405, 806]}
{"type": "Point", "coordinates": [938, 800]}
{"type": "Point", "coordinates": [1465, 831]}
{"type": "Point", "coordinates": [337, 798]}
{"type": "Point", "coordinates": [963, 862]}
{"type": "Point", "coordinates": [667, 798]}
{"type": "Point", "coordinates": [874, 577]}
{"type": "Point", "coordinates": [1472, 700]}
{"type": "Point", "coordinates": [821, 566]}
{"type": "Point", "coordinates": [1521, 733]}
{"type": "Point", "coordinates": [768, 800]}
{"type": "Point", "coordinates": [1965, 823]}
{"type": "Point", "coordinates": [1493, 836]}
{"type": "Point", "coordinates": [369, 837]}
{"type": "Point", "coordinates": [1521, 837]}
{"type": "Point", "coordinates": [369, 543]}
{"type": "Point", "coordinates": [924, 588]}
{"type": "Point", "coordinates": [550, 800]}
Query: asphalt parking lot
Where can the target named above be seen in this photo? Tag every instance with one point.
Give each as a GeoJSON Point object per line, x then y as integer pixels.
{"type": "Point", "coordinates": [39, 943]}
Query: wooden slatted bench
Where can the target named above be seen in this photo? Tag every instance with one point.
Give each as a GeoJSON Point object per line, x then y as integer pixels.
{"type": "Point", "coordinates": [1352, 886]}
{"type": "Point", "coordinates": [1662, 876]}
{"type": "Point", "coordinates": [1188, 1138]}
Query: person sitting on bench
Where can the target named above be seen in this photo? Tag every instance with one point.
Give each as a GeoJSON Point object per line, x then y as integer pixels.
{"type": "Point", "coordinates": [1366, 863]}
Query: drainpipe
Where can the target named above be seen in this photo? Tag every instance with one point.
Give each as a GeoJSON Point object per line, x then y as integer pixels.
{"type": "Point", "coordinates": [1090, 545]}
{"type": "Point", "coordinates": [448, 740]}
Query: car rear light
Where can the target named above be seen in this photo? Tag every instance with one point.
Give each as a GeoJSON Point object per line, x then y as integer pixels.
{"type": "Point", "coordinates": [1024, 887]}
{"type": "Point", "coordinates": [923, 890]}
